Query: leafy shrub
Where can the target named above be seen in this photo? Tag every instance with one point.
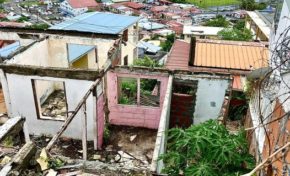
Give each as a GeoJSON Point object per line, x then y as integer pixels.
{"type": "Point", "coordinates": [207, 149]}
{"type": "Point", "coordinates": [219, 21]}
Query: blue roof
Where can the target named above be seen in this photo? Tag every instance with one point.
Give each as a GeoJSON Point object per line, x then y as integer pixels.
{"type": "Point", "coordinates": [148, 47]}
{"type": "Point", "coordinates": [75, 51]}
{"type": "Point", "coordinates": [151, 25]}
{"type": "Point", "coordinates": [5, 51]}
{"type": "Point", "coordinates": [98, 22]}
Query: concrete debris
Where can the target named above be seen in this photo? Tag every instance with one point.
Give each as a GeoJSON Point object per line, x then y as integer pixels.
{"type": "Point", "coordinates": [51, 172]}
{"type": "Point", "coordinates": [97, 157]}
{"type": "Point", "coordinates": [5, 160]}
{"type": "Point", "coordinates": [109, 148]}
{"type": "Point", "coordinates": [54, 105]}
{"type": "Point", "coordinates": [132, 138]}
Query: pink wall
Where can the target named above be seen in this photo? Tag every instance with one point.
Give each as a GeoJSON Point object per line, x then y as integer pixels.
{"type": "Point", "coordinates": [133, 115]}
{"type": "Point", "coordinates": [100, 120]}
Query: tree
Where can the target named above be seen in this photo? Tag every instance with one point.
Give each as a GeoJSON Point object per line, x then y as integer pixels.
{"type": "Point", "coordinates": [166, 46]}
{"type": "Point", "coordinates": [219, 21]}
{"type": "Point", "coordinates": [252, 5]}
{"type": "Point", "coordinates": [146, 62]}
{"type": "Point", "coordinates": [207, 149]}
{"type": "Point", "coordinates": [235, 34]}
{"type": "Point", "coordinates": [39, 26]}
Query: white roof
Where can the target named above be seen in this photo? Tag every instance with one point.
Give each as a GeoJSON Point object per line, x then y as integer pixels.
{"type": "Point", "coordinates": [260, 23]}
{"type": "Point", "coordinates": [201, 30]}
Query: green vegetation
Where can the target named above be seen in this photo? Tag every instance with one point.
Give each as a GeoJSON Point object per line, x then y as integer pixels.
{"type": "Point", "coordinates": [39, 26]}
{"type": "Point", "coordinates": [29, 3]}
{"type": "Point", "coordinates": [207, 149]}
{"type": "Point", "coordinates": [237, 33]}
{"type": "Point", "coordinates": [146, 62]}
{"type": "Point", "coordinates": [208, 3]}
{"type": "Point", "coordinates": [166, 46]}
{"type": "Point", "coordinates": [219, 21]}
{"type": "Point", "coordinates": [252, 5]}
{"type": "Point", "coordinates": [128, 91]}
{"type": "Point", "coordinates": [22, 19]}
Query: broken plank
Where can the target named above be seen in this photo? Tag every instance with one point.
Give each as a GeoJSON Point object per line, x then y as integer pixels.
{"type": "Point", "coordinates": [7, 127]}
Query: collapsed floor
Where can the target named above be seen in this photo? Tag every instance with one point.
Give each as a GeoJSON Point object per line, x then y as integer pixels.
{"type": "Point", "coordinates": [127, 151]}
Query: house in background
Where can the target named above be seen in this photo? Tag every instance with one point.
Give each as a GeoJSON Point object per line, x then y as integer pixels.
{"type": "Point", "coordinates": [109, 24]}
{"type": "Point", "coordinates": [200, 32]}
{"type": "Point", "coordinates": [260, 23]}
{"type": "Point", "coordinates": [77, 7]}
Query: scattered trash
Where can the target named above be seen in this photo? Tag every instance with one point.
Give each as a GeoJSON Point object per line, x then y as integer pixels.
{"type": "Point", "coordinates": [43, 160]}
{"type": "Point", "coordinates": [132, 138]}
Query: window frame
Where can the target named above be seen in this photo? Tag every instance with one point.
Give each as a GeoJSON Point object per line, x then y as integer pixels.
{"type": "Point", "coordinates": [138, 104]}
{"type": "Point", "coordinates": [38, 105]}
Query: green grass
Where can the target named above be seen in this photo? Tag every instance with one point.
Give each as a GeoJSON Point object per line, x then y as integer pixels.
{"type": "Point", "coordinates": [208, 3]}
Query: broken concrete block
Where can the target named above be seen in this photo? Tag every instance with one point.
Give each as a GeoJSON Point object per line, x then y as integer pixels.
{"type": "Point", "coordinates": [51, 172]}
{"type": "Point", "coordinates": [97, 157]}
{"type": "Point", "coordinates": [22, 159]}
{"type": "Point", "coordinates": [132, 138]}
{"type": "Point", "coordinates": [5, 160]}
{"type": "Point", "coordinates": [43, 160]}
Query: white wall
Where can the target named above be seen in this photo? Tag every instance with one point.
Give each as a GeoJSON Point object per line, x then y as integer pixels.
{"type": "Point", "coordinates": [131, 44]}
{"type": "Point", "coordinates": [209, 90]}
{"type": "Point", "coordinates": [37, 54]}
{"type": "Point", "coordinates": [22, 103]}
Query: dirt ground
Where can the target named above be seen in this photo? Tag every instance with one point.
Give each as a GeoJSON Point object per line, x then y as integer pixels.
{"type": "Point", "coordinates": [142, 146]}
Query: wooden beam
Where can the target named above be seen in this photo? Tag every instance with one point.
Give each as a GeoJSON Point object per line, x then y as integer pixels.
{"type": "Point", "coordinates": [84, 132]}
{"type": "Point", "coordinates": [10, 126]}
{"type": "Point", "coordinates": [80, 74]}
{"type": "Point", "coordinates": [70, 118]}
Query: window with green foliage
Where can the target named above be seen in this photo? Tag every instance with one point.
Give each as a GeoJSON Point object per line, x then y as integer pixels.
{"type": "Point", "coordinates": [146, 62]}
{"type": "Point", "coordinates": [207, 149]}
{"type": "Point", "coordinates": [139, 91]}
{"type": "Point", "coordinates": [127, 91]}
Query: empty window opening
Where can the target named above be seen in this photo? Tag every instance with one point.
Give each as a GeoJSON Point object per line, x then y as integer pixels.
{"type": "Point", "coordinates": [80, 56]}
{"type": "Point", "coordinates": [50, 99]}
{"type": "Point", "coordinates": [127, 91]}
{"type": "Point", "coordinates": [126, 60]}
{"type": "Point", "coordinates": [149, 92]}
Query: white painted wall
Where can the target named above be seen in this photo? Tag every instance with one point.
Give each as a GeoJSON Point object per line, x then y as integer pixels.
{"type": "Point", "coordinates": [37, 54]}
{"type": "Point", "coordinates": [52, 52]}
{"type": "Point", "coordinates": [131, 44]}
{"type": "Point", "coordinates": [22, 103]}
{"type": "Point", "coordinates": [66, 7]}
{"type": "Point", "coordinates": [209, 90]}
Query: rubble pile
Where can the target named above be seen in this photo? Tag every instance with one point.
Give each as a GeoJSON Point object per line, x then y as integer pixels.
{"type": "Point", "coordinates": [55, 105]}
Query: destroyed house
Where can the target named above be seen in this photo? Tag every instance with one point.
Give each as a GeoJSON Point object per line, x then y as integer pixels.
{"type": "Point", "coordinates": [60, 98]}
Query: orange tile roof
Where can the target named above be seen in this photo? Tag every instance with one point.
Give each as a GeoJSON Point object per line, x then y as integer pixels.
{"type": "Point", "coordinates": [219, 54]}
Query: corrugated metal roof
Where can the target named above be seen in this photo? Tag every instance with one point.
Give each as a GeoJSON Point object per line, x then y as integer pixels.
{"type": "Point", "coordinates": [179, 55]}
{"type": "Point", "coordinates": [98, 22]}
{"type": "Point", "coordinates": [75, 51]}
{"type": "Point", "coordinates": [231, 55]}
{"type": "Point", "coordinates": [219, 54]}
{"type": "Point", "coordinates": [5, 51]}
{"type": "Point", "coordinates": [82, 3]}
{"type": "Point", "coordinates": [148, 47]}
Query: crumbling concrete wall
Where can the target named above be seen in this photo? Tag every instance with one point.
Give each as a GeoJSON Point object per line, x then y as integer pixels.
{"type": "Point", "coordinates": [58, 50]}
{"type": "Point", "coordinates": [133, 115]}
{"type": "Point", "coordinates": [37, 54]}
{"type": "Point", "coordinates": [21, 97]}
{"type": "Point", "coordinates": [16, 37]}
{"type": "Point", "coordinates": [131, 44]}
